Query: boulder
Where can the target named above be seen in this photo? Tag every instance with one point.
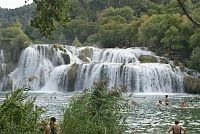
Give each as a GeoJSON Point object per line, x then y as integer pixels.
{"type": "Point", "coordinates": [192, 84]}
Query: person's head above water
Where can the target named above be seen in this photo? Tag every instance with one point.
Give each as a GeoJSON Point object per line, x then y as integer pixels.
{"type": "Point", "coordinates": [177, 122]}
{"type": "Point", "coordinates": [53, 119]}
{"type": "Point", "coordinates": [166, 96]}
{"type": "Point", "coordinates": [160, 101]}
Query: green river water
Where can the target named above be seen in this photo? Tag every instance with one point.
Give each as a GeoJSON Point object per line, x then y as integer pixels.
{"type": "Point", "coordinates": [146, 118]}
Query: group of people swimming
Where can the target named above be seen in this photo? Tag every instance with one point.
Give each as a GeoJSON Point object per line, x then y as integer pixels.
{"type": "Point", "coordinates": [183, 104]}
{"type": "Point", "coordinates": [176, 128]}
{"type": "Point", "coordinates": [51, 128]}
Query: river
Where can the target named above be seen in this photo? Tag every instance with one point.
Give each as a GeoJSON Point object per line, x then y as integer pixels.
{"type": "Point", "coordinates": [145, 118]}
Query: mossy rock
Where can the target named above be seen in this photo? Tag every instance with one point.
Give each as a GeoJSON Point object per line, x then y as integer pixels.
{"type": "Point", "coordinates": [181, 65]}
{"type": "Point", "coordinates": [85, 53]}
{"type": "Point", "coordinates": [72, 76]}
{"type": "Point", "coordinates": [83, 58]}
{"type": "Point", "coordinates": [55, 46]}
{"type": "Point", "coordinates": [192, 84]}
{"type": "Point", "coordinates": [163, 61]}
{"type": "Point", "coordinates": [147, 59]}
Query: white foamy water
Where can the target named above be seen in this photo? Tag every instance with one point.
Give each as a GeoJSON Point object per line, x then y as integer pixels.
{"type": "Point", "coordinates": [67, 68]}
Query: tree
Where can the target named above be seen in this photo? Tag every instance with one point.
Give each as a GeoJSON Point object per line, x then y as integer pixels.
{"type": "Point", "coordinates": [195, 39]}
{"type": "Point", "coordinates": [76, 42]}
{"type": "Point", "coordinates": [112, 31]}
{"type": "Point", "coordinates": [153, 30]}
{"type": "Point", "coordinates": [48, 13]}
{"type": "Point", "coordinates": [181, 3]}
{"type": "Point", "coordinates": [14, 36]}
{"type": "Point", "coordinates": [171, 39]}
{"type": "Point", "coordinates": [194, 61]}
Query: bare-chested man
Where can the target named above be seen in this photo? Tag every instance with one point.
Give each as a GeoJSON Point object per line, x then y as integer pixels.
{"type": "Point", "coordinates": [176, 128]}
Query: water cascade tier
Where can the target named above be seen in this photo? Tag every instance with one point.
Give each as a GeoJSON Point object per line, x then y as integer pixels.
{"type": "Point", "coordinates": [67, 68]}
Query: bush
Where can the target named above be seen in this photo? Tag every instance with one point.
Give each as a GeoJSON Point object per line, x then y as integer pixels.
{"type": "Point", "coordinates": [19, 115]}
{"type": "Point", "coordinates": [147, 59]}
{"type": "Point", "coordinates": [194, 61]}
{"type": "Point", "coordinates": [95, 112]}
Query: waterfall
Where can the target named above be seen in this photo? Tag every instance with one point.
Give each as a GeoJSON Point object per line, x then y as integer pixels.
{"type": "Point", "coordinates": [68, 68]}
{"type": "Point", "coordinates": [3, 69]}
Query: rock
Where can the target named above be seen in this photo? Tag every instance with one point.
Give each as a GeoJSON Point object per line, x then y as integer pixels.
{"type": "Point", "coordinates": [192, 84]}
{"type": "Point", "coordinates": [163, 60]}
{"type": "Point", "coordinates": [85, 54]}
{"type": "Point", "coordinates": [72, 76]}
{"type": "Point", "coordinates": [66, 58]}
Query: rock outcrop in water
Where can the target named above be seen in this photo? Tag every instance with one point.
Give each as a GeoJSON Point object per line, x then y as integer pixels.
{"type": "Point", "coordinates": [67, 68]}
{"type": "Point", "coordinates": [192, 84]}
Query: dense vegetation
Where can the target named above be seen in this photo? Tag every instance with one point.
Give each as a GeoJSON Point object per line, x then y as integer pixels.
{"type": "Point", "coordinates": [19, 114]}
{"type": "Point", "coordinates": [96, 112]}
{"type": "Point", "coordinates": [159, 25]}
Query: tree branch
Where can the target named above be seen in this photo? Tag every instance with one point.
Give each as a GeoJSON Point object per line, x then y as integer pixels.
{"type": "Point", "coordinates": [187, 14]}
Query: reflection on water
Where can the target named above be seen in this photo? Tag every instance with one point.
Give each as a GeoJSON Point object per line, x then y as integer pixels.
{"type": "Point", "coordinates": [144, 118]}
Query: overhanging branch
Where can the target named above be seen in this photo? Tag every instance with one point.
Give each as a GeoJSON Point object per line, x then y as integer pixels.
{"type": "Point", "coordinates": [187, 14]}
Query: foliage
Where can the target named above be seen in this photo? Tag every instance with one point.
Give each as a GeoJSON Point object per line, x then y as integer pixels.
{"type": "Point", "coordinates": [125, 12]}
{"type": "Point", "coordinates": [76, 42]}
{"type": "Point", "coordinates": [147, 59]}
{"type": "Point", "coordinates": [195, 39]}
{"type": "Point", "coordinates": [19, 114]}
{"type": "Point", "coordinates": [80, 28]}
{"type": "Point", "coordinates": [15, 36]}
{"type": "Point", "coordinates": [48, 13]}
{"type": "Point", "coordinates": [194, 61]}
{"type": "Point", "coordinates": [95, 112]}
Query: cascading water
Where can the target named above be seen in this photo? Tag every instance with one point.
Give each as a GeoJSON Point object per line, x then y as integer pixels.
{"type": "Point", "coordinates": [67, 68]}
{"type": "Point", "coordinates": [3, 81]}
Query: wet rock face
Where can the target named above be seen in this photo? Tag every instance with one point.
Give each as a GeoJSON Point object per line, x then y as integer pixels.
{"type": "Point", "coordinates": [10, 55]}
{"type": "Point", "coordinates": [8, 61]}
{"type": "Point", "coordinates": [192, 84]}
{"type": "Point", "coordinates": [66, 58]}
{"type": "Point", "coordinates": [72, 76]}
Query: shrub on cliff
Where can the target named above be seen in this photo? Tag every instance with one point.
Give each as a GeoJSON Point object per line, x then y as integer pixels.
{"type": "Point", "coordinates": [147, 59]}
{"type": "Point", "coordinates": [95, 112]}
{"type": "Point", "coordinates": [19, 115]}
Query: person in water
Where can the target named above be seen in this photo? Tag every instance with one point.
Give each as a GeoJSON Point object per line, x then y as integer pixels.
{"type": "Point", "coordinates": [176, 128]}
{"type": "Point", "coordinates": [159, 104]}
{"type": "Point", "coordinates": [166, 100]}
{"type": "Point", "coordinates": [183, 104]}
{"type": "Point", "coordinates": [52, 127]}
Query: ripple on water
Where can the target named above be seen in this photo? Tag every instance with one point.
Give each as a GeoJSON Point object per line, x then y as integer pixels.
{"type": "Point", "coordinates": [145, 118]}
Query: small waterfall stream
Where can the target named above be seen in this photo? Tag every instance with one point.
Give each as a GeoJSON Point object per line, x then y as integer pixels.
{"type": "Point", "coordinates": [67, 68]}
{"type": "Point", "coordinates": [3, 81]}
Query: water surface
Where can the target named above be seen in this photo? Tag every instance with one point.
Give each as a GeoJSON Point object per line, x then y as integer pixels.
{"type": "Point", "coordinates": [145, 118]}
